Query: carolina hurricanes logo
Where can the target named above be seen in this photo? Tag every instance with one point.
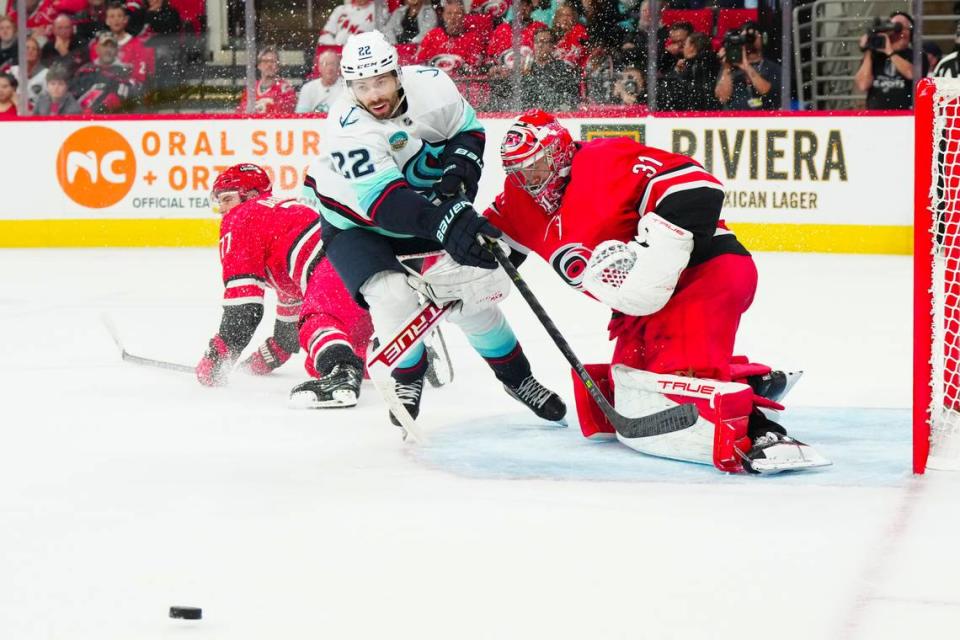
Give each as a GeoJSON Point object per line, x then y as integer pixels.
{"type": "Point", "coordinates": [507, 57]}
{"type": "Point", "coordinates": [495, 8]}
{"type": "Point", "coordinates": [570, 261]}
{"type": "Point", "coordinates": [446, 62]}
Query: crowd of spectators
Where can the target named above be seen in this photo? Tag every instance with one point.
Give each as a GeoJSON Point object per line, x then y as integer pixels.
{"type": "Point", "coordinates": [88, 56]}
{"type": "Point", "coordinates": [571, 52]}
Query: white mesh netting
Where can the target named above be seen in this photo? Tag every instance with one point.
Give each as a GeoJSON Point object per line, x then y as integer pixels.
{"type": "Point", "coordinates": [945, 298]}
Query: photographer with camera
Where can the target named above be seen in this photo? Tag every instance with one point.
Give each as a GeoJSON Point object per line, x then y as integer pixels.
{"type": "Point", "coordinates": [747, 81]}
{"type": "Point", "coordinates": [886, 73]}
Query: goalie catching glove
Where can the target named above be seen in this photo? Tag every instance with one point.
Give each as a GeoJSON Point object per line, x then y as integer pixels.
{"type": "Point", "coordinates": [638, 277]}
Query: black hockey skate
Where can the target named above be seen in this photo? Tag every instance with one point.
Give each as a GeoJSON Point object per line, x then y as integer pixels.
{"type": "Point", "coordinates": [543, 402]}
{"type": "Point", "coordinates": [774, 452]}
{"type": "Point", "coordinates": [409, 395]}
{"type": "Point", "coordinates": [774, 385]}
{"type": "Point", "coordinates": [339, 388]}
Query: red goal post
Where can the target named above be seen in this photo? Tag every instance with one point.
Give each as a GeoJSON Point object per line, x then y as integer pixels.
{"type": "Point", "coordinates": [936, 319]}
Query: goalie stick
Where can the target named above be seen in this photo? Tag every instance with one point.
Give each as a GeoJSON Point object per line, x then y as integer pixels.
{"type": "Point", "coordinates": [682, 416]}
{"type": "Point", "coordinates": [147, 362]}
{"type": "Point", "coordinates": [385, 357]}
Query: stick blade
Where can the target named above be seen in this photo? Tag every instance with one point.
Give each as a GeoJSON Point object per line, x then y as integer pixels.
{"type": "Point", "coordinates": [682, 416]}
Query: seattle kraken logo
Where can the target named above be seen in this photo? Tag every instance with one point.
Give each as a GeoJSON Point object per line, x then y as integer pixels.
{"type": "Point", "coordinates": [423, 169]}
{"type": "Point", "coordinates": [570, 261]}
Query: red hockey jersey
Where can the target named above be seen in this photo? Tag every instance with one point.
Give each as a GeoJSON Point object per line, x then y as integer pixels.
{"type": "Point", "coordinates": [281, 97]}
{"type": "Point", "coordinates": [270, 242]}
{"type": "Point", "coordinates": [502, 37]}
{"type": "Point", "coordinates": [574, 46]}
{"type": "Point", "coordinates": [452, 54]}
{"type": "Point", "coordinates": [42, 17]}
{"type": "Point", "coordinates": [613, 182]}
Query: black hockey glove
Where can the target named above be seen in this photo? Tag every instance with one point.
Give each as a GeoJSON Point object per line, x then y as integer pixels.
{"type": "Point", "coordinates": [461, 175]}
{"type": "Point", "coordinates": [457, 231]}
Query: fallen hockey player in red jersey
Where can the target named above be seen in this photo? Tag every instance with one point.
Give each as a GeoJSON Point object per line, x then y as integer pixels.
{"type": "Point", "coordinates": [639, 229]}
{"type": "Point", "coordinates": [267, 241]}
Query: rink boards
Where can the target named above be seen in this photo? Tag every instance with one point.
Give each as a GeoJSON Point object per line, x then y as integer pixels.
{"type": "Point", "coordinates": [812, 182]}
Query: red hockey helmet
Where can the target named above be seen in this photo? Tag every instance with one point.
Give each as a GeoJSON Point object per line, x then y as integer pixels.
{"type": "Point", "coordinates": [241, 178]}
{"type": "Point", "coordinates": [537, 153]}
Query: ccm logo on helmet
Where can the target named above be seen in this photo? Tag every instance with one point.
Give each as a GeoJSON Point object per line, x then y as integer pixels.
{"type": "Point", "coordinates": [570, 261]}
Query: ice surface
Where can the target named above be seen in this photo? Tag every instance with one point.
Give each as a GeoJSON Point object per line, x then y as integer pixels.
{"type": "Point", "coordinates": [124, 490]}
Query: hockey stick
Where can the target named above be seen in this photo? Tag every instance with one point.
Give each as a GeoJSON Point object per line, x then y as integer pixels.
{"type": "Point", "coordinates": [147, 362]}
{"type": "Point", "coordinates": [385, 357]}
{"type": "Point", "coordinates": [669, 420]}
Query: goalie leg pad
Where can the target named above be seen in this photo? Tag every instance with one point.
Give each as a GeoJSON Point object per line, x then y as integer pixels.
{"type": "Point", "coordinates": [720, 433]}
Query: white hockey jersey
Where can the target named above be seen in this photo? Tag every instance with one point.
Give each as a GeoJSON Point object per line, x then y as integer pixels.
{"type": "Point", "coordinates": [316, 97]}
{"type": "Point", "coordinates": [361, 156]}
{"type": "Point", "coordinates": [347, 19]}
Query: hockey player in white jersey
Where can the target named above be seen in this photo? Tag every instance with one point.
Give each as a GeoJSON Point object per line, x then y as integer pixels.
{"type": "Point", "coordinates": [400, 158]}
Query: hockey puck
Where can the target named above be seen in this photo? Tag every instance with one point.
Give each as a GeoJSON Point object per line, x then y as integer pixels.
{"type": "Point", "coordinates": [186, 613]}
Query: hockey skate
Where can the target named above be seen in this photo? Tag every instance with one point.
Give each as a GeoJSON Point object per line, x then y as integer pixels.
{"type": "Point", "coordinates": [440, 368]}
{"type": "Point", "coordinates": [409, 395]}
{"type": "Point", "coordinates": [543, 402]}
{"type": "Point", "coordinates": [774, 385]}
{"type": "Point", "coordinates": [338, 389]}
{"type": "Point", "coordinates": [774, 452]}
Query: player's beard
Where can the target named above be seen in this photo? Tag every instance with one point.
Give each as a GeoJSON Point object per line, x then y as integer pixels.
{"type": "Point", "coordinates": [390, 112]}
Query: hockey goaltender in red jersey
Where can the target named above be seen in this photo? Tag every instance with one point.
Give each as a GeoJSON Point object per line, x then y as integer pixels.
{"type": "Point", "coordinates": [639, 229]}
{"type": "Point", "coordinates": [266, 241]}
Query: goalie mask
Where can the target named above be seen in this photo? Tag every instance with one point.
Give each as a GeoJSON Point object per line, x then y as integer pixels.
{"type": "Point", "coordinates": [537, 153]}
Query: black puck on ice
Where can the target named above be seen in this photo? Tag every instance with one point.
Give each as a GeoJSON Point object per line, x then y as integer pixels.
{"type": "Point", "coordinates": [186, 613]}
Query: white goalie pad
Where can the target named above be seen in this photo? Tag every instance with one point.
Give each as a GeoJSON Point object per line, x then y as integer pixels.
{"type": "Point", "coordinates": [447, 281]}
{"type": "Point", "coordinates": [640, 393]}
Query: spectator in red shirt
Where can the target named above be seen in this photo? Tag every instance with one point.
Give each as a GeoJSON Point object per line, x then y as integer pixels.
{"type": "Point", "coordinates": [132, 52]}
{"type": "Point", "coordinates": [8, 97]}
{"type": "Point", "coordinates": [571, 36]}
{"type": "Point", "coordinates": [272, 94]}
{"type": "Point", "coordinates": [41, 13]}
{"type": "Point", "coordinates": [452, 47]}
{"type": "Point", "coordinates": [65, 50]}
{"type": "Point", "coordinates": [500, 47]}
{"type": "Point", "coordinates": [501, 55]}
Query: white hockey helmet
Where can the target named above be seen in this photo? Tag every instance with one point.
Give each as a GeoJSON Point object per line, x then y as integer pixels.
{"type": "Point", "coordinates": [366, 55]}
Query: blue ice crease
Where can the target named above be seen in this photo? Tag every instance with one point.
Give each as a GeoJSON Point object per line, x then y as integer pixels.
{"type": "Point", "coordinates": [868, 447]}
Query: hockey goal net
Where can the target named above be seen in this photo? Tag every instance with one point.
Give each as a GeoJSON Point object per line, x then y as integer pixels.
{"type": "Point", "coordinates": [936, 396]}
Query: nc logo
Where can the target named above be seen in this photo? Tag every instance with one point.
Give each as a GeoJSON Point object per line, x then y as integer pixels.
{"type": "Point", "coordinates": [96, 167]}
{"type": "Point", "coordinates": [77, 161]}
